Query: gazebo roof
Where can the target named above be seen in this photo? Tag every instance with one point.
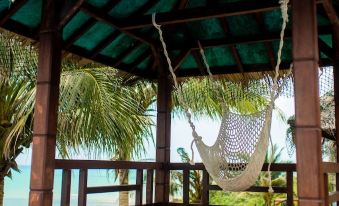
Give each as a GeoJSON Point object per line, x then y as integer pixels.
{"type": "Point", "coordinates": [239, 36]}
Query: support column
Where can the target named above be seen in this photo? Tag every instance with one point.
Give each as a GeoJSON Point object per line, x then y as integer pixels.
{"type": "Point", "coordinates": [307, 107]}
{"type": "Point", "coordinates": [46, 105]}
{"type": "Point", "coordinates": [335, 42]}
{"type": "Point", "coordinates": [163, 141]}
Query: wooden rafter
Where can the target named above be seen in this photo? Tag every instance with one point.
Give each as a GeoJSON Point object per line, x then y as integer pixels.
{"type": "Point", "coordinates": [190, 72]}
{"type": "Point", "coordinates": [124, 54]}
{"type": "Point", "coordinates": [108, 61]}
{"type": "Point", "coordinates": [87, 25]}
{"type": "Point", "coordinates": [197, 57]}
{"type": "Point", "coordinates": [70, 9]}
{"type": "Point", "coordinates": [331, 12]}
{"type": "Point", "coordinates": [233, 40]}
{"type": "Point", "coordinates": [144, 8]}
{"type": "Point", "coordinates": [79, 32]}
{"type": "Point", "coordinates": [182, 56]}
{"type": "Point", "coordinates": [268, 45]}
{"type": "Point", "coordinates": [137, 61]}
{"type": "Point", "coordinates": [14, 7]}
{"type": "Point", "coordinates": [195, 14]}
{"type": "Point", "coordinates": [101, 15]}
{"type": "Point", "coordinates": [235, 53]}
{"type": "Point", "coordinates": [104, 43]}
{"type": "Point", "coordinates": [327, 50]}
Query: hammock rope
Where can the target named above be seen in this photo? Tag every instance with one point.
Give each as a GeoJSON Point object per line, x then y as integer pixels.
{"type": "Point", "coordinates": [234, 161]}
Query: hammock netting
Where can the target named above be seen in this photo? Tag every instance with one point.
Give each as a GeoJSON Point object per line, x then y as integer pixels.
{"type": "Point", "coordinates": [236, 158]}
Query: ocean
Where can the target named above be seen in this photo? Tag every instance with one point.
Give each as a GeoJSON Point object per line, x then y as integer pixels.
{"type": "Point", "coordinates": [17, 188]}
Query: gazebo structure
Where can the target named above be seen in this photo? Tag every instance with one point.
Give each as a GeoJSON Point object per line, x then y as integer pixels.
{"type": "Point", "coordinates": [240, 38]}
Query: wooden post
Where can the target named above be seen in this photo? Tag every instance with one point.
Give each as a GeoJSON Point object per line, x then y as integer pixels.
{"type": "Point", "coordinates": [66, 188]}
{"type": "Point", "coordinates": [149, 186]}
{"type": "Point", "coordinates": [46, 105]}
{"type": "Point", "coordinates": [82, 191]}
{"type": "Point", "coordinates": [139, 182]}
{"type": "Point", "coordinates": [163, 140]}
{"type": "Point", "coordinates": [186, 187]}
{"type": "Point", "coordinates": [307, 107]}
{"type": "Point", "coordinates": [289, 182]}
{"type": "Point", "coordinates": [205, 187]}
{"type": "Point", "coordinates": [335, 42]}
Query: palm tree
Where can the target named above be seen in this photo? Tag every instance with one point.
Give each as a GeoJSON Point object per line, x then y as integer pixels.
{"type": "Point", "coordinates": [95, 112]}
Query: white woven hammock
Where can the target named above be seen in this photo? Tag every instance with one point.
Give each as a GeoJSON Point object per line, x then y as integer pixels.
{"type": "Point", "coordinates": [236, 158]}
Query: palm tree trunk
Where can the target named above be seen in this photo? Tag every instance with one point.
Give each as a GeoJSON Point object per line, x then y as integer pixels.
{"type": "Point", "coordinates": [2, 184]}
{"type": "Point", "coordinates": [123, 180]}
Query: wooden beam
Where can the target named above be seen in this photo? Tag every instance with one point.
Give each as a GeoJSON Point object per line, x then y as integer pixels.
{"type": "Point", "coordinates": [70, 9]}
{"type": "Point", "coordinates": [163, 135]}
{"type": "Point", "coordinates": [104, 164]}
{"type": "Point", "coordinates": [195, 72]}
{"type": "Point", "coordinates": [115, 188]}
{"type": "Point", "coordinates": [201, 13]}
{"type": "Point", "coordinates": [331, 12]}
{"type": "Point", "coordinates": [233, 40]}
{"type": "Point", "coordinates": [307, 107]}
{"type": "Point", "coordinates": [46, 106]}
{"type": "Point", "coordinates": [14, 7]}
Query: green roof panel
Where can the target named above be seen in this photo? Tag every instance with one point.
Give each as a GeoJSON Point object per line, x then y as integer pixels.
{"type": "Point", "coordinates": [94, 35]}
{"type": "Point", "coordinates": [189, 63]}
{"type": "Point", "coordinates": [29, 14]}
{"type": "Point", "coordinates": [144, 64]}
{"type": "Point", "coordinates": [125, 8]}
{"type": "Point", "coordinates": [119, 45]}
{"type": "Point", "coordinates": [75, 23]}
{"type": "Point", "coordinates": [98, 3]}
{"type": "Point", "coordinates": [242, 25]}
{"type": "Point", "coordinates": [135, 54]}
{"type": "Point", "coordinates": [4, 5]}
{"type": "Point", "coordinates": [208, 29]}
{"type": "Point", "coordinates": [253, 53]}
{"type": "Point", "coordinates": [219, 56]}
{"type": "Point", "coordinates": [162, 6]}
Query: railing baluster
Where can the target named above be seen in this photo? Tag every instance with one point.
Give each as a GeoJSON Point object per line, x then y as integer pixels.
{"type": "Point", "coordinates": [326, 189]}
{"type": "Point", "coordinates": [186, 187]}
{"type": "Point", "coordinates": [149, 186]}
{"type": "Point", "coordinates": [139, 182]}
{"type": "Point", "coordinates": [82, 196]}
{"type": "Point", "coordinates": [66, 188]}
{"type": "Point", "coordinates": [289, 184]}
{"type": "Point", "coordinates": [205, 189]}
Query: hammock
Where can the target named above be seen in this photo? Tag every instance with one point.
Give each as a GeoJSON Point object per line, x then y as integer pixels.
{"type": "Point", "coordinates": [236, 158]}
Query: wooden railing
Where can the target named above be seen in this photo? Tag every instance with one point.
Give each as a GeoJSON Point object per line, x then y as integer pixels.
{"type": "Point", "coordinates": [150, 167]}
{"type": "Point", "coordinates": [330, 167]}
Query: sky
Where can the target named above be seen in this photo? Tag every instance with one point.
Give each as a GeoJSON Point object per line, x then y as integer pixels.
{"type": "Point", "coordinates": [181, 135]}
